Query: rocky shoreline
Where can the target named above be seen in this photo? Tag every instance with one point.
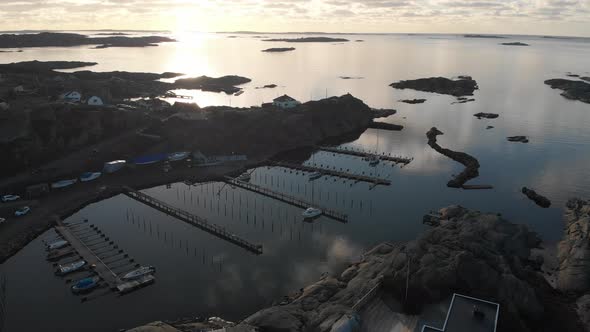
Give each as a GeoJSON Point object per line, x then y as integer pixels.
{"type": "Point", "coordinates": [53, 39]}
{"type": "Point", "coordinates": [308, 40]}
{"type": "Point", "coordinates": [575, 90]}
{"type": "Point", "coordinates": [540, 200]}
{"type": "Point", "coordinates": [462, 86]}
{"type": "Point", "coordinates": [471, 170]}
{"type": "Point", "coordinates": [468, 252]}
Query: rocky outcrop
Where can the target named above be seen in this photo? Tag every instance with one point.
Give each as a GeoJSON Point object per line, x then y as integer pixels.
{"type": "Point", "coordinates": [471, 164]}
{"type": "Point", "coordinates": [575, 90]}
{"type": "Point", "coordinates": [574, 248]}
{"type": "Point", "coordinates": [486, 115]}
{"type": "Point", "coordinates": [225, 84]}
{"type": "Point", "coordinates": [519, 139]}
{"type": "Point", "coordinates": [540, 200]}
{"type": "Point", "coordinates": [583, 309]}
{"type": "Point", "coordinates": [279, 49]}
{"type": "Point", "coordinates": [52, 39]}
{"type": "Point", "coordinates": [413, 101]}
{"type": "Point", "coordinates": [386, 126]}
{"type": "Point", "coordinates": [42, 66]}
{"type": "Point", "coordinates": [515, 44]}
{"type": "Point", "coordinates": [308, 40]}
{"type": "Point", "coordinates": [267, 86]}
{"type": "Point", "coordinates": [484, 36]}
{"type": "Point", "coordinates": [462, 86]}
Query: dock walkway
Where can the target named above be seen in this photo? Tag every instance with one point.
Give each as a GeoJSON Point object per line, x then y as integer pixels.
{"type": "Point", "coordinates": [193, 220]}
{"type": "Point", "coordinates": [285, 198]}
{"type": "Point", "coordinates": [365, 154]}
{"type": "Point", "coordinates": [331, 172]}
{"type": "Point", "coordinates": [91, 259]}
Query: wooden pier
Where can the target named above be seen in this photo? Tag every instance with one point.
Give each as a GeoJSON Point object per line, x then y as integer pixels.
{"type": "Point", "coordinates": [365, 154]}
{"type": "Point", "coordinates": [193, 220]}
{"type": "Point", "coordinates": [332, 172]}
{"type": "Point", "coordinates": [92, 260]}
{"type": "Point", "coordinates": [286, 198]}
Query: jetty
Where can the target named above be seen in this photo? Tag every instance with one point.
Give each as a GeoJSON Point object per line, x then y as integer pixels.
{"type": "Point", "coordinates": [366, 154]}
{"type": "Point", "coordinates": [193, 220]}
{"type": "Point", "coordinates": [89, 243]}
{"type": "Point", "coordinates": [338, 216]}
{"type": "Point", "coordinates": [333, 172]}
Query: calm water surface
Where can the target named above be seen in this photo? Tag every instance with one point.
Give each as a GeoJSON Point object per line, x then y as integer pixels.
{"type": "Point", "coordinates": [200, 275]}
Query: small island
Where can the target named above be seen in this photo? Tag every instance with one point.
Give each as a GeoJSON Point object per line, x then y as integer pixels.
{"type": "Point", "coordinates": [351, 77]}
{"type": "Point", "coordinates": [515, 44]}
{"type": "Point", "coordinates": [574, 90]}
{"type": "Point", "coordinates": [54, 39]}
{"type": "Point", "coordinates": [225, 84]}
{"type": "Point", "coordinates": [462, 86]}
{"type": "Point", "coordinates": [540, 200]}
{"type": "Point", "coordinates": [484, 36]}
{"type": "Point", "coordinates": [267, 86]}
{"type": "Point", "coordinates": [413, 101]}
{"type": "Point", "coordinates": [482, 115]}
{"type": "Point", "coordinates": [279, 49]}
{"type": "Point", "coordinates": [519, 139]}
{"type": "Point", "coordinates": [308, 40]}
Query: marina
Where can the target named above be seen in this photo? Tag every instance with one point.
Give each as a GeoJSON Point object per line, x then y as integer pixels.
{"type": "Point", "coordinates": [367, 155]}
{"type": "Point", "coordinates": [337, 173]}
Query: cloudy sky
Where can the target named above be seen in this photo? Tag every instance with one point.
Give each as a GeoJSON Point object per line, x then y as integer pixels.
{"type": "Point", "coordinates": [555, 17]}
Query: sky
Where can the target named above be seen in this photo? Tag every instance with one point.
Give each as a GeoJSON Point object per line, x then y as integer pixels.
{"type": "Point", "coordinates": [537, 17]}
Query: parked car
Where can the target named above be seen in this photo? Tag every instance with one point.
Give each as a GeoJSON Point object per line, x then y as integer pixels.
{"type": "Point", "coordinates": [10, 198]}
{"type": "Point", "coordinates": [22, 211]}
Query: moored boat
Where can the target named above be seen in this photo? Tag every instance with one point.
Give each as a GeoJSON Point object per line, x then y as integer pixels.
{"type": "Point", "coordinates": [139, 272]}
{"type": "Point", "coordinates": [63, 183]}
{"type": "Point", "coordinates": [59, 254]}
{"type": "Point", "coordinates": [69, 268]}
{"type": "Point", "coordinates": [89, 176]}
{"type": "Point", "coordinates": [244, 177]}
{"type": "Point", "coordinates": [57, 244]}
{"type": "Point", "coordinates": [311, 213]}
{"type": "Point", "coordinates": [315, 175]}
{"type": "Point", "coordinates": [177, 156]}
{"type": "Point", "coordinates": [85, 285]}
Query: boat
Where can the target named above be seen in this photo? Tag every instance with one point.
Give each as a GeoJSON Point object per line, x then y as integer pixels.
{"type": "Point", "coordinates": [311, 213]}
{"type": "Point", "coordinates": [238, 93]}
{"type": "Point", "coordinates": [138, 273]}
{"type": "Point", "coordinates": [244, 177]}
{"type": "Point", "coordinates": [151, 159]}
{"type": "Point", "coordinates": [63, 183]}
{"type": "Point", "coordinates": [113, 166]}
{"type": "Point", "coordinates": [315, 175]}
{"type": "Point", "coordinates": [57, 244]}
{"type": "Point", "coordinates": [69, 268]}
{"type": "Point", "coordinates": [177, 156]}
{"type": "Point", "coordinates": [373, 161]}
{"type": "Point", "coordinates": [59, 254]}
{"type": "Point", "coordinates": [85, 285]}
{"type": "Point", "coordinates": [89, 176]}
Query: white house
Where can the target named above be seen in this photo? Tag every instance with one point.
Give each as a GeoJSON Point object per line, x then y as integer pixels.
{"type": "Point", "coordinates": [72, 96]}
{"type": "Point", "coordinates": [285, 102]}
{"type": "Point", "coordinates": [95, 101]}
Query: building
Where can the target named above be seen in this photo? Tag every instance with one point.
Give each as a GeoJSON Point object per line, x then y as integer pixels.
{"type": "Point", "coordinates": [285, 102]}
{"type": "Point", "coordinates": [72, 96]}
{"type": "Point", "coordinates": [468, 314]}
{"type": "Point", "coordinates": [95, 101]}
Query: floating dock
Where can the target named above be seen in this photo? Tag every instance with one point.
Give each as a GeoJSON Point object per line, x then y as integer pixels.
{"type": "Point", "coordinates": [365, 154]}
{"type": "Point", "coordinates": [193, 220]}
{"type": "Point", "coordinates": [285, 198]}
{"type": "Point", "coordinates": [332, 172]}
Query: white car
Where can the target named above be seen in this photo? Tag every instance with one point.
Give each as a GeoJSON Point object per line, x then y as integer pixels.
{"type": "Point", "coordinates": [10, 198]}
{"type": "Point", "coordinates": [22, 211]}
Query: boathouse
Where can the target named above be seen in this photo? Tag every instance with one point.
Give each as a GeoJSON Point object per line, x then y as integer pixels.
{"type": "Point", "coordinates": [285, 102]}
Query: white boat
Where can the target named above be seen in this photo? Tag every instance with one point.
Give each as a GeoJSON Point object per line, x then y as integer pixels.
{"type": "Point", "coordinates": [57, 244]}
{"type": "Point", "coordinates": [113, 166]}
{"type": "Point", "coordinates": [138, 273]}
{"type": "Point", "coordinates": [315, 175]}
{"type": "Point", "coordinates": [177, 156]}
{"type": "Point", "coordinates": [63, 183]}
{"type": "Point", "coordinates": [89, 176]}
{"type": "Point", "coordinates": [69, 268]}
{"type": "Point", "coordinates": [311, 213]}
{"type": "Point", "coordinates": [244, 177]}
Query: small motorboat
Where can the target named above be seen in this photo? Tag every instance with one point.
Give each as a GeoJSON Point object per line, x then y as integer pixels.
{"type": "Point", "coordinates": [85, 285]}
{"type": "Point", "coordinates": [315, 175]}
{"type": "Point", "coordinates": [69, 268]}
{"type": "Point", "coordinates": [138, 273]}
{"type": "Point", "coordinates": [244, 177]}
{"type": "Point", "coordinates": [57, 244]}
{"type": "Point", "coordinates": [89, 176]}
{"type": "Point", "coordinates": [63, 183]}
{"type": "Point", "coordinates": [311, 213]}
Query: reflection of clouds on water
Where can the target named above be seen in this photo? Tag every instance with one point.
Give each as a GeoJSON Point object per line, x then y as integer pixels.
{"type": "Point", "coordinates": [560, 179]}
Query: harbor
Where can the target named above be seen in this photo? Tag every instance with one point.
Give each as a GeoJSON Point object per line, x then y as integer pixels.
{"type": "Point", "coordinates": [336, 172]}
{"type": "Point", "coordinates": [366, 154]}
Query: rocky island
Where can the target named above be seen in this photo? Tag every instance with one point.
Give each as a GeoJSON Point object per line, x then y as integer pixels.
{"type": "Point", "coordinates": [308, 40]}
{"type": "Point", "coordinates": [515, 44]}
{"type": "Point", "coordinates": [575, 90]}
{"type": "Point", "coordinates": [413, 101]}
{"type": "Point", "coordinates": [279, 49]}
{"type": "Point", "coordinates": [225, 84]}
{"type": "Point", "coordinates": [468, 252]}
{"type": "Point", "coordinates": [471, 164]}
{"type": "Point", "coordinates": [462, 86]}
{"type": "Point", "coordinates": [54, 39]}
{"type": "Point", "coordinates": [482, 115]}
{"type": "Point", "coordinates": [540, 200]}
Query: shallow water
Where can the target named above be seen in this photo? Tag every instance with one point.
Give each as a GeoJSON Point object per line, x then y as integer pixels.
{"type": "Point", "coordinates": [200, 275]}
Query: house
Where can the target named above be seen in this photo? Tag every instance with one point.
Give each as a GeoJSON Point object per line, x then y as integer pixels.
{"type": "Point", "coordinates": [285, 102]}
{"type": "Point", "coordinates": [95, 101]}
{"type": "Point", "coordinates": [72, 96]}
